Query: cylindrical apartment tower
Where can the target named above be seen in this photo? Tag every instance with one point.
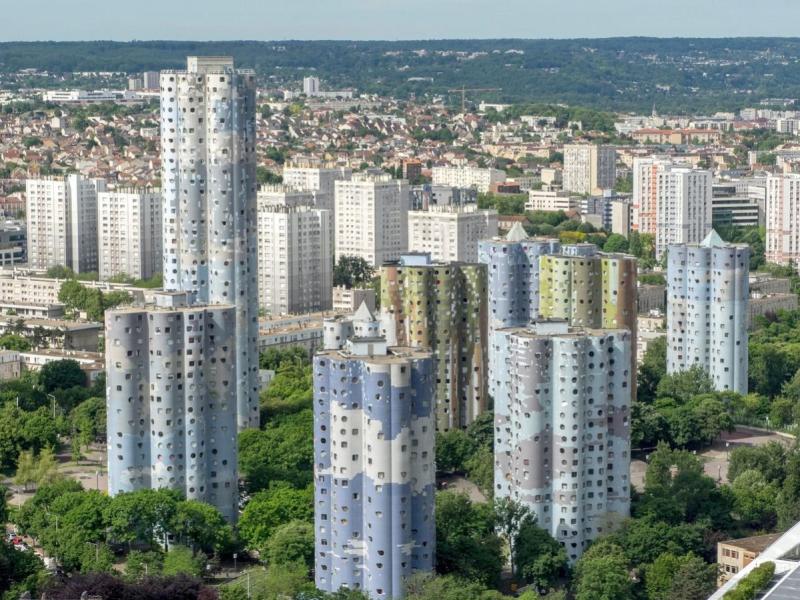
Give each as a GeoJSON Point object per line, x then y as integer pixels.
{"type": "Point", "coordinates": [171, 399]}
{"type": "Point", "coordinates": [374, 467]}
{"type": "Point", "coordinates": [209, 187]}
{"type": "Point", "coordinates": [707, 304]}
{"type": "Point", "coordinates": [562, 417]}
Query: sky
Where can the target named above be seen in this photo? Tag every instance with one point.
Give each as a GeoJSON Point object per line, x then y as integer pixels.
{"type": "Point", "coordinates": [125, 20]}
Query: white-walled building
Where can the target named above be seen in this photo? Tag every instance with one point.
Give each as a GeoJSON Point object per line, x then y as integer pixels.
{"type": "Point", "coordinates": [372, 217]}
{"type": "Point", "coordinates": [552, 200]}
{"type": "Point", "coordinates": [129, 233]}
{"type": "Point", "coordinates": [783, 219]}
{"type": "Point", "coordinates": [589, 168]}
{"type": "Point", "coordinates": [450, 233]}
{"type": "Point", "coordinates": [708, 295]}
{"type": "Point", "coordinates": [316, 179]}
{"type": "Point", "coordinates": [671, 201]}
{"type": "Point", "coordinates": [295, 266]}
{"type": "Point", "coordinates": [468, 177]}
{"type": "Point", "coordinates": [62, 222]}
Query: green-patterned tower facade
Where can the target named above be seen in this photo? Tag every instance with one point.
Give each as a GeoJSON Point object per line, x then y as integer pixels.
{"type": "Point", "coordinates": [441, 306]}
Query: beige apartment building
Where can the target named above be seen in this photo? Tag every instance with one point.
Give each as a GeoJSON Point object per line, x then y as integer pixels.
{"type": "Point", "coordinates": [372, 217]}
{"type": "Point", "coordinates": [129, 233]}
{"type": "Point", "coordinates": [589, 168]}
{"type": "Point", "coordinates": [450, 233]}
{"type": "Point", "coordinates": [782, 217]}
{"type": "Point", "coordinates": [295, 266]}
{"type": "Point", "coordinates": [62, 222]}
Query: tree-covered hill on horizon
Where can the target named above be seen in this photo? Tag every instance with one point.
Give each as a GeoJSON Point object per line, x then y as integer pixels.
{"type": "Point", "coordinates": [676, 74]}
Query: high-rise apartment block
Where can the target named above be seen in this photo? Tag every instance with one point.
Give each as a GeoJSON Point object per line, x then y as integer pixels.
{"type": "Point", "coordinates": [295, 264]}
{"type": "Point", "coordinates": [671, 202]}
{"type": "Point", "coordinates": [129, 233]}
{"type": "Point", "coordinates": [562, 427]}
{"type": "Point", "coordinates": [374, 467]}
{"type": "Point", "coordinates": [62, 222]}
{"type": "Point", "coordinates": [441, 306]}
{"type": "Point", "coordinates": [783, 219]}
{"type": "Point", "coordinates": [589, 168]}
{"type": "Point", "coordinates": [208, 183]}
{"type": "Point", "coordinates": [530, 279]}
{"type": "Point", "coordinates": [172, 402]}
{"type": "Point", "coordinates": [479, 178]}
{"type": "Point", "coordinates": [450, 232]}
{"type": "Point", "coordinates": [372, 217]}
{"type": "Point", "coordinates": [708, 294]}
{"type": "Point", "coordinates": [315, 178]}
{"type": "Point", "coordinates": [310, 85]}
{"type": "Point", "coordinates": [182, 377]}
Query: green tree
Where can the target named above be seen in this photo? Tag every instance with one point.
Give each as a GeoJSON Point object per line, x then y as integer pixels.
{"type": "Point", "coordinates": [11, 341]}
{"type": "Point", "coordinates": [687, 577]}
{"type": "Point", "coordinates": [352, 272]}
{"type": "Point", "coordinates": [754, 499]}
{"type": "Point", "coordinates": [141, 564]}
{"type": "Point", "coordinates": [291, 543]}
{"type": "Point", "coordinates": [510, 519]}
{"type": "Point", "coordinates": [467, 545]}
{"type": "Point", "coordinates": [201, 526]}
{"type": "Point", "coordinates": [181, 560]}
{"type": "Point", "coordinates": [272, 508]}
{"type": "Point", "coordinates": [541, 560]}
{"type": "Point", "coordinates": [283, 452]}
{"type": "Point", "coordinates": [616, 243]}
{"type": "Point", "coordinates": [602, 573]}
{"type": "Point", "coordinates": [453, 449]}
{"type": "Point", "coordinates": [61, 374]}
{"type": "Point", "coordinates": [684, 385]}
{"type": "Point", "coordinates": [652, 370]}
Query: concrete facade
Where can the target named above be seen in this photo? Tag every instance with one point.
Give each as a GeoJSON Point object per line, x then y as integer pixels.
{"type": "Point", "coordinates": [295, 265]}
{"type": "Point", "coordinates": [529, 279]}
{"type": "Point", "coordinates": [374, 468]}
{"type": "Point", "coordinates": [62, 222]}
{"type": "Point", "coordinates": [172, 402]}
{"type": "Point", "coordinates": [208, 178]}
{"type": "Point", "coordinates": [707, 311]}
{"type": "Point", "coordinates": [450, 233]}
{"type": "Point", "coordinates": [589, 168]}
{"type": "Point", "coordinates": [441, 306]}
{"type": "Point", "coordinates": [372, 217]}
{"type": "Point", "coordinates": [479, 178]}
{"type": "Point", "coordinates": [129, 233]}
{"type": "Point", "coordinates": [562, 427]}
{"type": "Point", "coordinates": [672, 202]}
{"type": "Point", "coordinates": [783, 219]}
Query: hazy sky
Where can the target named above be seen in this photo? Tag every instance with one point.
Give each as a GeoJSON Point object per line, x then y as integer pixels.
{"type": "Point", "coordinates": [391, 19]}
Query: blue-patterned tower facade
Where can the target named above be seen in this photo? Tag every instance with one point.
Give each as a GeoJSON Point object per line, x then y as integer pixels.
{"type": "Point", "coordinates": [374, 471]}
{"type": "Point", "coordinates": [172, 400]}
{"type": "Point", "coordinates": [708, 293]}
{"type": "Point", "coordinates": [208, 180]}
{"type": "Point", "coordinates": [562, 427]}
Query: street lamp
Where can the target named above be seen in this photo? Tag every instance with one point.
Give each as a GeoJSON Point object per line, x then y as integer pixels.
{"type": "Point", "coordinates": [54, 404]}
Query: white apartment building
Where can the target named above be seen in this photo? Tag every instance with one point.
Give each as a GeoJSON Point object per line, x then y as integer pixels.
{"type": "Point", "coordinates": [589, 168]}
{"type": "Point", "coordinates": [295, 265]}
{"type": "Point", "coordinates": [450, 233]}
{"type": "Point", "coordinates": [372, 217]}
{"type": "Point", "coordinates": [310, 85]}
{"type": "Point", "coordinates": [316, 179]}
{"type": "Point", "coordinates": [552, 200]}
{"type": "Point", "coordinates": [129, 233]}
{"type": "Point", "coordinates": [782, 216]}
{"type": "Point", "coordinates": [62, 222]}
{"type": "Point", "coordinates": [468, 177]}
{"type": "Point", "coordinates": [671, 201]}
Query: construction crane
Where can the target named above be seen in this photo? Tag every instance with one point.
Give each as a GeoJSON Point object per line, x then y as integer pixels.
{"type": "Point", "coordinates": [463, 91]}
